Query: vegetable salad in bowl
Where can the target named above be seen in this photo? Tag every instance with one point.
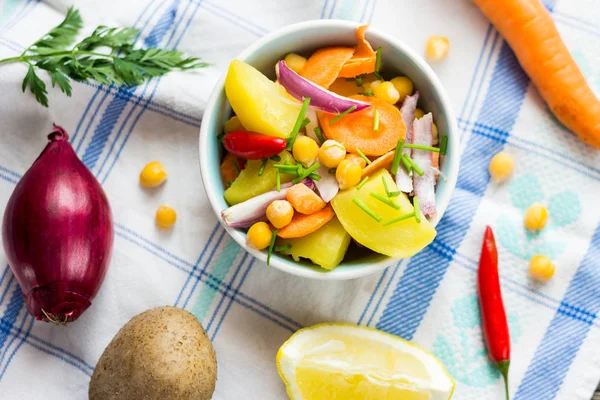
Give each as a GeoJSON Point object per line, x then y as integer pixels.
{"type": "Point", "coordinates": [332, 155]}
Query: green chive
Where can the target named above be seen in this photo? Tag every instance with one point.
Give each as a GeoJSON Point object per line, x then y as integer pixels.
{"type": "Point", "coordinates": [278, 181]}
{"type": "Point", "coordinates": [379, 76]}
{"type": "Point", "coordinates": [398, 219]}
{"type": "Point", "coordinates": [319, 135]}
{"type": "Point", "coordinates": [315, 177]}
{"type": "Point", "coordinates": [229, 183]}
{"type": "Point", "coordinates": [397, 157]}
{"type": "Point", "coordinates": [359, 80]}
{"type": "Point", "coordinates": [444, 145]}
{"type": "Point", "coordinates": [306, 172]}
{"type": "Point", "coordinates": [262, 166]}
{"type": "Point", "coordinates": [366, 209]}
{"type": "Point", "coordinates": [406, 163]}
{"type": "Point", "coordinates": [384, 200]}
{"type": "Point", "coordinates": [298, 125]}
{"type": "Point", "coordinates": [362, 155]}
{"type": "Point", "coordinates": [421, 147]}
{"type": "Point", "coordinates": [286, 169]}
{"type": "Point", "coordinates": [331, 171]}
{"type": "Point", "coordinates": [417, 209]}
{"type": "Point", "coordinates": [275, 158]}
{"type": "Point", "coordinates": [376, 121]}
{"type": "Point", "coordinates": [299, 169]}
{"type": "Point", "coordinates": [362, 183]}
{"type": "Point", "coordinates": [414, 165]}
{"type": "Point", "coordinates": [394, 194]}
{"type": "Point", "coordinates": [366, 93]}
{"type": "Point", "coordinates": [281, 248]}
{"type": "Point", "coordinates": [337, 117]}
{"type": "Point", "coordinates": [304, 123]}
{"type": "Point", "coordinates": [273, 237]}
{"type": "Point", "coordinates": [237, 169]}
{"type": "Point", "coordinates": [385, 186]}
{"type": "Point", "coordinates": [378, 59]}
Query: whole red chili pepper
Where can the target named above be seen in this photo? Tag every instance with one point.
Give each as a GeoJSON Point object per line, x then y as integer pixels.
{"type": "Point", "coordinates": [252, 145]}
{"type": "Point", "coordinates": [493, 315]}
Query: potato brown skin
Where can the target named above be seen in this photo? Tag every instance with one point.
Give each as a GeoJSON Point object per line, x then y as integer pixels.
{"type": "Point", "coordinates": [162, 353]}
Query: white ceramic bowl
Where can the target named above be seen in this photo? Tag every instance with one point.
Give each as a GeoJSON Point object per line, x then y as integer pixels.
{"type": "Point", "coordinates": [304, 38]}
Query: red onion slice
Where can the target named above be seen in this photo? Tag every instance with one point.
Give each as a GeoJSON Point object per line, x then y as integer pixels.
{"type": "Point", "coordinates": [320, 98]}
{"type": "Point", "coordinates": [245, 214]}
{"type": "Point", "coordinates": [403, 180]}
{"type": "Point", "coordinates": [424, 185]}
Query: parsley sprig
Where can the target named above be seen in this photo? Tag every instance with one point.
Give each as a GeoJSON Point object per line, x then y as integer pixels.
{"type": "Point", "coordinates": [122, 64]}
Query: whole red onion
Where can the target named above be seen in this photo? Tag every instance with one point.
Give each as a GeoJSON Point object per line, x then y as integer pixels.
{"type": "Point", "coordinates": [57, 233]}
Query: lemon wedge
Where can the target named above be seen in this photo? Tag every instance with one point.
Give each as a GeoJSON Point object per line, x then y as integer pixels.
{"type": "Point", "coordinates": [350, 362]}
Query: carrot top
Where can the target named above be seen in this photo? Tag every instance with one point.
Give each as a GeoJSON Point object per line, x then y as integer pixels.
{"type": "Point", "coordinates": [364, 58]}
{"type": "Point", "coordinates": [355, 130]}
{"type": "Point", "coordinates": [324, 66]}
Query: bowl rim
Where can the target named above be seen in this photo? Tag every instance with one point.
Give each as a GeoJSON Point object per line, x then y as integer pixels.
{"type": "Point", "coordinates": [291, 266]}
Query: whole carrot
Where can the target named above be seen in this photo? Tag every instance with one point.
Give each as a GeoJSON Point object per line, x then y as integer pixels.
{"type": "Point", "coordinates": [493, 315]}
{"type": "Point", "coordinates": [529, 29]}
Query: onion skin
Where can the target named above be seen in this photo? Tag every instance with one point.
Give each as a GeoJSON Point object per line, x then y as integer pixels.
{"type": "Point", "coordinates": [57, 233]}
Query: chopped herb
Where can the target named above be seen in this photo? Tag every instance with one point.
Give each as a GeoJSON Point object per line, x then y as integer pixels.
{"type": "Point", "coordinates": [299, 169]}
{"type": "Point", "coordinates": [384, 200]}
{"type": "Point", "coordinates": [378, 60]}
{"type": "Point", "coordinates": [422, 147]}
{"type": "Point", "coordinates": [362, 183]}
{"type": "Point", "coordinates": [337, 117]}
{"type": "Point", "coordinates": [398, 219]}
{"type": "Point", "coordinates": [359, 80]}
{"type": "Point", "coordinates": [362, 155]}
{"type": "Point", "coordinates": [417, 209]}
{"type": "Point", "coordinates": [298, 125]}
{"type": "Point", "coordinates": [366, 93]}
{"type": "Point", "coordinates": [273, 237]}
{"type": "Point", "coordinates": [414, 165]}
{"type": "Point", "coordinates": [286, 169]}
{"type": "Point", "coordinates": [366, 209]}
{"type": "Point", "coordinates": [397, 157]}
{"type": "Point", "coordinates": [262, 166]}
{"type": "Point", "coordinates": [406, 165]}
{"type": "Point", "coordinates": [278, 181]}
{"type": "Point", "coordinates": [379, 76]}
{"type": "Point", "coordinates": [376, 121]}
{"type": "Point", "coordinates": [306, 172]}
{"type": "Point", "coordinates": [235, 166]}
{"type": "Point", "coordinates": [229, 183]}
{"type": "Point", "coordinates": [331, 171]}
{"type": "Point", "coordinates": [305, 122]}
{"type": "Point", "coordinates": [275, 158]}
{"type": "Point", "coordinates": [221, 137]}
{"type": "Point", "coordinates": [319, 135]}
{"type": "Point", "coordinates": [394, 194]}
{"type": "Point", "coordinates": [283, 247]}
{"type": "Point", "coordinates": [315, 177]}
{"type": "Point", "coordinates": [444, 145]}
{"type": "Point", "coordinates": [385, 186]}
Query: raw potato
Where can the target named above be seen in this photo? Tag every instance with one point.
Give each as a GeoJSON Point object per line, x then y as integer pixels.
{"type": "Point", "coordinates": [159, 354]}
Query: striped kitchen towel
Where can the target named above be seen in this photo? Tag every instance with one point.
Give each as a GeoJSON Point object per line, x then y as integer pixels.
{"type": "Point", "coordinates": [249, 310]}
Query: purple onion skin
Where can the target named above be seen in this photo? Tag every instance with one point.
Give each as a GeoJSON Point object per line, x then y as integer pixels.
{"type": "Point", "coordinates": [57, 233]}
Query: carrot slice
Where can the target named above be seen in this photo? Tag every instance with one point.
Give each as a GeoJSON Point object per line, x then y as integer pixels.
{"type": "Point", "coordinates": [385, 161]}
{"type": "Point", "coordinates": [304, 200]}
{"type": "Point", "coordinates": [303, 225]}
{"type": "Point", "coordinates": [364, 58]}
{"type": "Point", "coordinates": [355, 130]}
{"type": "Point", "coordinates": [324, 66]}
{"type": "Point", "coordinates": [228, 171]}
{"type": "Point", "coordinates": [530, 30]}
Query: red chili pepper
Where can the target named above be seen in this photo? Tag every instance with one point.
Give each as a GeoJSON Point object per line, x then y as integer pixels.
{"type": "Point", "coordinates": [495, 324]}
{"type": "Point", "coordinates": [252, 145]}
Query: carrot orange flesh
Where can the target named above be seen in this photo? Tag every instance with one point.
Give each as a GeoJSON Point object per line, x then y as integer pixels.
{"type": "Point", "coordinates": [228, 168]}
{"type": "Point", "coordinates": [303, 225]}
{"type": "Point", "coordinates": [364, 58]}
{"type": "Point", "coordinates": [355, 130]}
{"type": "Point", "coordinates": [529, 29]}
{"type": "Point", "coordinates": [324, 66]}
{"type": "Point", "coordinates": [385, 161]}
{"type": "Point", "coordinates": [304, 200]}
